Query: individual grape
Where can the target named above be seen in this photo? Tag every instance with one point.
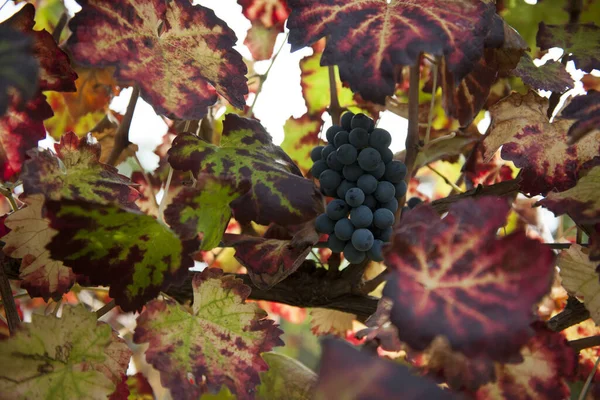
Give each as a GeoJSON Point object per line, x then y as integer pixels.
{"type": "Point", "coordinates": [359, 138]}
{"type": "Point", "coordinates": [330, 180]}
{"type": "Point", "coordinates": [395, 171]}
{"type": "Point", "coordinates": [413, 202]}
{"type": "Point", "coordinates": [387, 155]}
{"type": "Point", "coordinates": [367, 183]}
{"type": "Point", "coordinates": [334, 163]}
{"type": "Point", "coordinates": [352, 255]}
{"type": "Point", "coordinates": [385, 191]}
{"type": "Point", "coordinates": [371, 126]}
{"type": "Point", "coordinates": [383, 218]}
{"type": "Point", "coordinates": [342, 137]}
{"type": "Point", "coordinates": [401, 189]}
{"type": "Point", "coordinates": [315, 153]}
{"type": "Point", "coordinates": [386, 234]}
{"type": "Point", "coordinates": [371, 202]}
{"type": "Point", "coordinates": [352, 172]}
{"type": "Point", "coordinates": [361, 217]}
{"type": "Point", "coordinates": [328, 192]}
{"type": "Point", "coordinates": [379, 171]}
{"type": "Point", "coordinates": [327, 150]}
{"type": "Point", "coordinates": [391, 205]}
{"type": "Point", "coordinates": [369, 158]}
{"type": "Point", "coordinates": [360, 120]}
{"type": "Point", "coordinates": [346, 154]}
{"type": "Point", "coordinates": [354, 197]}
{"type": "Point", "coordinates": [346, 120]}
{"type": "Point", "coordinates": [318, 168]}
{"type": "Point", "coordinates": [336, 245]}
{"type": "Point", "coordinates": [337, 209]}
{"type": "Point", "coordinates": [375, 253]}
{"type": "Point", "coordinates": [380, 139]}
{"type": "Point", "coordinates": [343, 229]}
{"type": "Point", "coordinates": [324, 224]}
{"type": "Point", "coordinates": [344, 187]}
{"type": "Point", "coordinates": [362, 239]}
{"type": "Point", "coordinates": [330, 134]}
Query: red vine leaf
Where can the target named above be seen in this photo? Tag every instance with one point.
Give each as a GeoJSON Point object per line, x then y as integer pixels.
{"type": "Point", "coordinates": [392, 34]}
{"type": "Point", "coordinates": [205, 208]}
{"type": "Point", "coordinates": [278, 194]}
{"type": "Point", "coordinates": [477, 172]}
{"type": "Point", "coordinates": [269, 261]}
{"type": "Point", "coordinates": [454, 277]}
{"type": "Point", "coordinates": [55, 71]}
{"type": "Point", "coordinates": [20, 130]}
{"type": "Point", "coordinates": [547, 361]}
{"type": "Point", "coordinates": [581, 202]}
{"type": "Point", "coordinates": [581, 41]}
{"type": "Point", "coordinates": [330, 322]}
{"type": "Point", "coordinates": [217, 343]}
{"type": "Point", "coordinates": [260, 40]}
{"type": "Point", "coordinates": [539, 148]}
{"type": "Point", "coordinates": [346, 373]}
{"type": "Point", "coordinates": [75, 172]}
{"type": "Point", "coordinates": [179, 54]}
{"type": "Point", "coordinates": [131, 252]}
{"type": "Point", "coordinates": [551, 76]}
{"type": "Point", "coordinates": [268, 18]}
{"type": "Point", "coordinates": [586, 111]}
{"type": "Point", "coordinates": [380, 329]}
{"type": "Point", "coordinates": [301, 136]}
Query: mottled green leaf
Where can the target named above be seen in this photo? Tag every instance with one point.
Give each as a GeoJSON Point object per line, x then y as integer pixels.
{"type": "Point", "coordinates": [73, 357]}
{"type": "Point", "coordinates": [130, 252]}
{"type": "Point", "coordinates": [218, 343]}
{"type": "Point", "coordinates": [301, 135]}
{"type": "Point", "coordinates": [75, 172]}
{"type": "Point", "coordinates": [278, 193]}
{"type": "Point", "coordinates": [551, 76]}
{"type": "Point", "coordinates": [581, 41]}
{"type": "Point", "coordinates": [205, 209]}
{"type": "Point", "coordinates": [286, 379]}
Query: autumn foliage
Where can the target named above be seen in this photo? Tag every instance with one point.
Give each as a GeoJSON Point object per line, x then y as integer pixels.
{"type": "Point", "coordinates": [204, 277]}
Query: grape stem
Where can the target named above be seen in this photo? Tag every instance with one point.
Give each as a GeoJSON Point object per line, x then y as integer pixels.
{"type": "Point", "coordinates": [335, 109]}
{"type": "Point", "coordinates": [121, 141]}
{"type": "Point", "coordinates": [60, 25]}
{"type": "Point", "coordinates": [448, 181]}
{"type": "Point", "coordinates": [432, 104]}
{"type": "Point", "coordinates": [371, 285]}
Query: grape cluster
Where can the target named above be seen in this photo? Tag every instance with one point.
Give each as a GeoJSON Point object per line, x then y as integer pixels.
{"type": "Point", "coordinates": [358, 170]}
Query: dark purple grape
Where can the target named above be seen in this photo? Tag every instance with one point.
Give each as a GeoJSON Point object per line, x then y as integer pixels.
{"type": "Point", "coordinates": [360, 120]}
{"type": "Point", "coordinates": [315, 154]}
{"type": "Point", "coordinates": [344, 229]}
{"type": "Point", "coordinates": [327, 150]}
{"type": "Point", "coordinates": [391, 205]}
{"type": "Point", "coordinates": [352, 255]}
{"type": "Point", "coordinates": [318, 168]}
{"type": "Point", "coordinates": [386, 234]}
{"type": "Point", "coordinates": [352, 172]}
{"type": "Point", "coordinates": [359, 138]}
{"type": "Point", "coordinates": [362, 239]}
{"type": "Point", "coordinates": [361, 217]}
{"type": "Point", "coordinates": [330, 180]}
{"type": "Point", "coordinates": [387, 155]}
{"type": "Point", "coordinates": [330, 134]}
{"type": "Point", "coordinates": [385, 192]}
{"type": "Point", "coordinates": [375, 253]}
{"type": "Point", "coordinates": [346, 120]}
{"type": "Point", "coordinates": [337, 209]}
{"type": "Point", "coordinates": [336, 245]}
{"type": "Point", "coordinates": [334, 163]}
{"type": "Point", "coordinates": [395, 171]}
{"type": "Point", "coordinates": [383, 218]}
{"type": "Point", "coordinates": [401, 189]}
{"type": "Point", "coordinates": [379, 171]}
{"type": "Point", "coordinates": [380, 139]}
{"type": "Point", "coordinates": [367, 183]}
{"type": "Point", "coordinates": [344, 187]}
{"type": "Point", "coordinates": [346, 154]}
{"type": "Point", "coordinates": [342, 137]}
{"type": "Point", "coordinates": [369, 159]}
{"type": "Point", "coordinates": [324, 224]}
{"type": "Point", "coordinates": [371, 202]}
{"type": "Point", "coordinates": [413, 202]}
{"type": "Point", "coordinates": [354, 197]}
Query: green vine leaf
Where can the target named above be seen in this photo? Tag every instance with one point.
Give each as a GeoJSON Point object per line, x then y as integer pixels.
{"type": "Point", "coordinates": [217, 343]}
{"type": "Point", "coordinates": [131, 252]}
{"type": "Point", "coordinates": [75, 172]}
{"type": "Point", "coordinates": [72, 357]}
{"type": "Point", "coordinates": [181, 55]}
{"type": "Point", "coordinates": [278, 191]}
{"type": "Point", "coordinates": [286, 379]}
{"type": "Point", "coordinates": [581, 41]}
{"type": "Point", "coordinates": [205, 208]}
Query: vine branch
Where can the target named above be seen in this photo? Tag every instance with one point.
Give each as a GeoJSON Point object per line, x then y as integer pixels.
{"type": "Point", "coordinates": [122, 134]}
{"type": "Point", "coordinates": [10, 307]}
{"type": "Point", "coordinates": [335, 110]}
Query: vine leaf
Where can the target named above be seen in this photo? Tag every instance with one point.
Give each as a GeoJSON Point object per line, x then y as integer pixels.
{"type": "Point", "coordinates": [301, 136]}
{"type": "Point", "coordinates": [380, 329]}
{"type": "Point", "coordinates": [392, 34]}
{"type": "Point", "coordinates": [20, 130]}
{"type": "Point", "coordinates": [581, 41]}
{"type": "Point", "coordinates": [278, 193]}
{"type": "Point", "coordinates": [218, 342]}
{"type": "Point", "coordinates": [453, 272]}
{"type": "Point", "coordinates": [581, 202]}
{"type": "Point", "coordinates": [286, 379]}
{"type": "Point", "coordinates": [55, 72]}
{"type": "Point", "coordinates": [346, 373]}
{"type": "Point", "coordinates": [131, 252]}
{"type": "Point", "coordinates": [268, 18]}
{"type": "Point", "coordinates": [586, 111]}
{"type": "Point", "coordinates": [205, 209]}
{"type": "Point", "coordinates": [269, 261]}
{"type": "Point", "coordinates": [477, 172]}
{"type": "Point", "coordinates": [547, 361]}
{"type": "Point", "coordinates": [538, 147]}
{"type": "Point", "coordinates": [18, 67]}
{"type": "Point", "coordinates": [162, 47]}
{"type": "Point", "coordinates": [71, 357]}
{"type": "Point", "coordinates": [30, 233]}
{"type": "Point", "coordinates": [75, 172]}
{"type": "Point", "coordinates": [330, 322]}
{"type": "Point", "coordinates": [552, 76]}
{"type": "Point", "coordinates": [579, 278]}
